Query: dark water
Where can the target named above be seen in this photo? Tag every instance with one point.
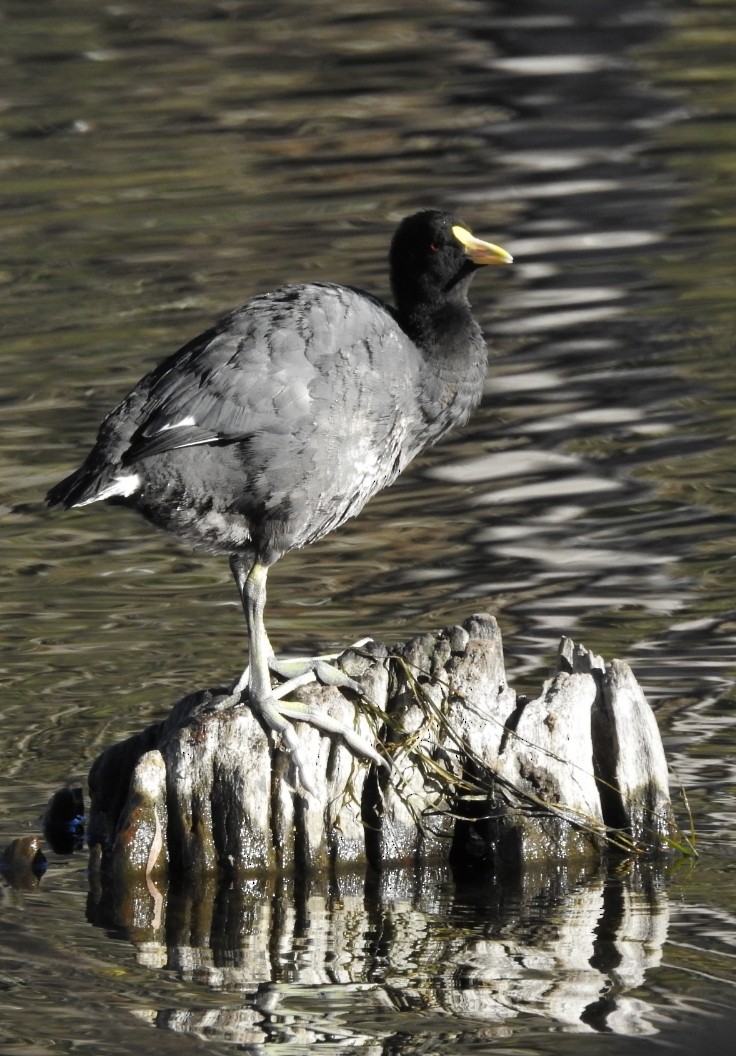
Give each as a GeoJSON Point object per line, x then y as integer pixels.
{"type": "Point", "coordinates": [162, 162]}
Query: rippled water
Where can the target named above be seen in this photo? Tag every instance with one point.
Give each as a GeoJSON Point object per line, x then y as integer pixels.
{"type": "Point", "coordinates": [160, 163]}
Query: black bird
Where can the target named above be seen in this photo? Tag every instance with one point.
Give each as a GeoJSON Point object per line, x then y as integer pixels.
{"type": "Point", "coordinates": [280, 422]}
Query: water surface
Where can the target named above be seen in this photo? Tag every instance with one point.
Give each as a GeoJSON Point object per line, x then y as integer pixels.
{"type": "Point", "coordinates": [159, 165]}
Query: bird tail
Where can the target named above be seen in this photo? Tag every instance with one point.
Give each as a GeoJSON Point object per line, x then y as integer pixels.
{"type": "Point", "coordinates": [75, 490]}
{"type": "Point", "coordinates": [93, 482]}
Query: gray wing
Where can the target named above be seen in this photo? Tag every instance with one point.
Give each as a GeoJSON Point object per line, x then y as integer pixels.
{"type": "Point", "coordinates": [287, 363]}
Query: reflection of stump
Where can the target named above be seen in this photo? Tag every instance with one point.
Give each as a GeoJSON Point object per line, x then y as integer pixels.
{"type": "Point", "coordinates": [359, 958]}
{"type": "Point", "coordinates": [479, 776]}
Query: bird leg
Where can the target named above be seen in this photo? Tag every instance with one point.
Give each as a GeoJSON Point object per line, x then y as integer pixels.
{"type": "Point", "coordinates": [260, 695]}
{"type": "Point", "coordinates": [298, 670]}
{"type": "Point", "coordinates": [276, 712]}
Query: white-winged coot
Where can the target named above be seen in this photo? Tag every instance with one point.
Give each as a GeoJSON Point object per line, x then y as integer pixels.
{"type": "Point", "coordinates": [280, 422]}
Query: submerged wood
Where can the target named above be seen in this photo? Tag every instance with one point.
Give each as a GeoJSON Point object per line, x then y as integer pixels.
{"type": "Point", "coordinates": [479, 776]}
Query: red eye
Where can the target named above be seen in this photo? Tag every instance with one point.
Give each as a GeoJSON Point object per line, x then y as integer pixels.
{"type": "Point", "coordinates": [433, 247]}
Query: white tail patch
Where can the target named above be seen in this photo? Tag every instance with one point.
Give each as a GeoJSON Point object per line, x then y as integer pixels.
{"type": "Point", "coordinates": [124, 485]}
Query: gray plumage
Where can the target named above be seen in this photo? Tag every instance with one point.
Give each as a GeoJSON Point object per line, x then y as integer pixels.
{"type": "Point", "coordinates": [276, 425]}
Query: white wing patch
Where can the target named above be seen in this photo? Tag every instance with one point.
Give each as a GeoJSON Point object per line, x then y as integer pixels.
{"type": "Point", "coordinates": [182, 424]}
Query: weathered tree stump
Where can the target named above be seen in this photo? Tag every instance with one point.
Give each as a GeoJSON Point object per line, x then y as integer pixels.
{"type": "Point", "coordinates": [478, 776]}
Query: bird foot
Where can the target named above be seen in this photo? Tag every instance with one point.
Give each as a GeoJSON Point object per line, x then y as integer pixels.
{"type": "Point", "coordinates": [279, 714]}
{"type": "Point", "coordinates": [298, 712]}
{"type": "Point", "coordinates": [270, 711]}
{"type": "Point", "coordinates": [320, 668]}
{"type": "Point", "coordinates": [301, 670]}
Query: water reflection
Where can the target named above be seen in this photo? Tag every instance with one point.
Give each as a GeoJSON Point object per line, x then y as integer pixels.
{"type": "Point", "coordinates": [315, 963]}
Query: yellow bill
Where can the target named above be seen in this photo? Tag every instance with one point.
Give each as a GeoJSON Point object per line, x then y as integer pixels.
{"type": "Point", "coordinates": [477, 250]}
